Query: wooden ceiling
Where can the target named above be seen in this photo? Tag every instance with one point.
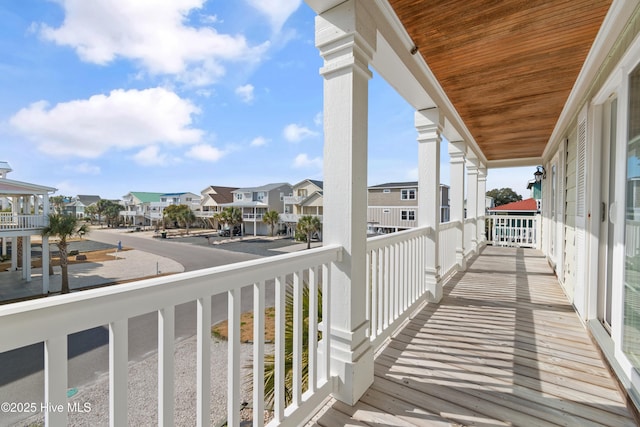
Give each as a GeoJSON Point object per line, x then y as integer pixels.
{"type": "Point", "coordinates": [507, 66]}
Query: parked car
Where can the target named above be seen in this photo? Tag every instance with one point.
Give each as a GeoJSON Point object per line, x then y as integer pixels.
{"type": "Point", "coordinates": [227, 232]}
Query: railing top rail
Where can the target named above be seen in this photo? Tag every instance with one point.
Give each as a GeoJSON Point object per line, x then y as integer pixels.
{"type": "Point", "coordinates": [514, 216]}
{"type": "Point", "coordinates": [378, 242]}
{"type": "Point", "coordinates": [448, 225]}
{"type": "Point", "coordinates": [33, 321]}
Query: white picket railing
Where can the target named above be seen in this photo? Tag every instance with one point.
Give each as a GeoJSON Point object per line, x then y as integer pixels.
{"type": "Point", "coordinates": [447, 244]}
{"type": "Point", "coordinates": [395, 279]}
{"type": "Point", "coordinates": [468, 224]}
{"type": "Point", "coordinates": [10, 221]}
{"type": "Point", "coordinates": [512, 230]}
{"type": "Point", "coordinates": [51, 320]}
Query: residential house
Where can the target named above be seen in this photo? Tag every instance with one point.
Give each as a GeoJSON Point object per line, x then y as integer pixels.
{"type": "Point", "coordinates": [212, 197]}
{"type": "Point", "coordinates": [78, 204]}
{"type": "Point", "coordinates": [29, 205]}
{"type": "Point", "coordinates": [393, 206]}
{"type": "Point", "coordinates": [554, 84]}
{"type": "Point", "coordinates": [255, 201]}
{"type": "Point", "coordinates": [141, 208]}
{"type": "Point", "coordinates": [515, 224]}
{"type": "Point", "coordinates": [146, 208]}
{"type": "Point", "coordinates": [306, 199]}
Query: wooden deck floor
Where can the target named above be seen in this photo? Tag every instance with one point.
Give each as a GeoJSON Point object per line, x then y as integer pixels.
{"type": "Point", "coordinates": [504, 347]}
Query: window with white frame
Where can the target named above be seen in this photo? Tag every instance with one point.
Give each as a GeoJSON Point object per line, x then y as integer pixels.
{"type": "Point", "coordinates": [408, 194]}
{"type": "Point", "coordinates": [386, 190]}
{"type": "Point", "coordinates": [408, 215]}
{"type": "Point", "coordinates": [238, 196]}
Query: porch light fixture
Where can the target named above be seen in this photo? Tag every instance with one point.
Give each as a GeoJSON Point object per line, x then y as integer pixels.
{"type": "Point", "coordinates": [414, 50]}
{"type": "Point", "coordinates": [540, 173]}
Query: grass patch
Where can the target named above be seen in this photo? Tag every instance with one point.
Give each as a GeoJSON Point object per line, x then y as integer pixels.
{"type": "Point", "coordinates": [221, 330]}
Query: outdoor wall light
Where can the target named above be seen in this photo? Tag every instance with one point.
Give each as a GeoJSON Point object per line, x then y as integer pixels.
{"type": "Point", "coordinates": [540, 173]}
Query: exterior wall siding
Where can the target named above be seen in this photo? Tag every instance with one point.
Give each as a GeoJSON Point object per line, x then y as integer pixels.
{"type": "Point", "coordinates": [570, 217]}
{"type": "Point", "coordinates": [377, 197]}
{"type": "Point", "coordinates": [391, 216]}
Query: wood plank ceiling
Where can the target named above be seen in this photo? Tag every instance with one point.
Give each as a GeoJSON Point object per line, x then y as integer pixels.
{"type": "Point", "coordinates": [507, 66]}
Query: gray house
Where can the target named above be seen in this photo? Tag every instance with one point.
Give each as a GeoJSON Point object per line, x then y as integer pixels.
{"type": "Point", "coordinates": [256, 201]}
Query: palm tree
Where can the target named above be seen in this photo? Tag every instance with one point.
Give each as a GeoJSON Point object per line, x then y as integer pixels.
{"type": "Point", "coordinates": [64, 226]}
{"type": "Point", "coordinates": [269, 359]}
{"type": "Point", "coordinates": [271, 218]}
{"type": "Point", "coordinates": [308, 225]}
{"type": "Point", "coordinates": [234, 217]}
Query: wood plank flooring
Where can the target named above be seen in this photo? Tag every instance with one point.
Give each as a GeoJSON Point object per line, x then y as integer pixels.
{"type": "Point", "coordinates": [503, 348]}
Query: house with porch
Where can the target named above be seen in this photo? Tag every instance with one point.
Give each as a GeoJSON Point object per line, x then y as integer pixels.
{"type": "Point", "coordinates": [393, 206]}
{"type": "Point", "coordinates": [254, 202]}
{"type": "Point", "coordinates": [306, 199]}
{"type": "Point", "coordinates": [429, 325]}
{"type": "Point", "coordinates": [29, 205]}
{"type": "Point", "coordinates": [78, 204]}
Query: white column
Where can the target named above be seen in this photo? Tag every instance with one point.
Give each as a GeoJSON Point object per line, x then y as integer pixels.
{"type": "Point", "coordinates": [429, 124]}
{"type": "Point", "coordinates": [457, 151]}
{"type": "Point", "coordinates": [45, 246]}
{"type": "Point", "coordinates": [472, 200]}
{"type": "Point", "coordinates": [14, 253]}
{"type": "Point", "coordinates": [26, 259]}
{"type": "Point", "coordinates": [346, 38]}
{"type": "Point", "coordinates": [482, 205]}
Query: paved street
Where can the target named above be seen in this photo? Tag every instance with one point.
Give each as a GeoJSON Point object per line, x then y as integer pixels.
{"type": "Point", "coordinates": [21, 373]}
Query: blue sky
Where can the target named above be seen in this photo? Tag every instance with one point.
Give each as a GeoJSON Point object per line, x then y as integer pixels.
{"type": "Point", "coordinates": [110, 96]}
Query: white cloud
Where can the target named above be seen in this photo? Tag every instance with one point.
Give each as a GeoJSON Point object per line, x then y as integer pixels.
{"type": "Point", "coordinates": [154, 34]}
{"type": "Point", "coordinates": [318, 118]}
{"type": "Point", "coordinates": [83, 168]}
{"type": "Point", "coordinates": [277, 11]}
{"type": "Point", "coordinates": [66, 188]}
{"type": "Point", "coordinates": [245, 93]}
{"type": "Point", "coordinates": [296, 133]}
{"type": "Point", "coordinates": [120, 120]}
{"type": "Point", "coordinates": [303, 161]}
{"type": "Point", "coordinates": [150, 156]}
{"type": "Point", "coordinates": [259, 141]}
{"type": "Point", "coordinates": [205, 152]}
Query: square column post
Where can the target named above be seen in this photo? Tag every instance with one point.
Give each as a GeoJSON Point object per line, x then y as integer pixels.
{"type": "Point", "coordinates": [346, 38]}
{"type": "Point", "coordinates": [429, 124]}
{"type": "Point", "coordinates": [456, 194]}
{"type": "Point", "coordinates": [472, 201]}
{"type": "Point", "coordinates": [482, 206]}
{"type": "Point", "coordinates": [45, 246]}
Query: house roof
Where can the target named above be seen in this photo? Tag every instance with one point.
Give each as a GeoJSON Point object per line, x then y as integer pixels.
{"type": "Point", "coordinates": [87, 199]}
{"type": "Point", "coordinates": [219, 194]}
{"type": "Point", "coordinates": [11, 187]}
{"type": "Point", "coordinates": [146, 197]}
{"type": "Point", "coordinates": [526, 205]}
{"type": "Point", "coordinates": [267, 187]}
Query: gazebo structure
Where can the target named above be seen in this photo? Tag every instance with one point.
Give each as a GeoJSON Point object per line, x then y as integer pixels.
{"type": "Point", "coordinates": [29, 209]}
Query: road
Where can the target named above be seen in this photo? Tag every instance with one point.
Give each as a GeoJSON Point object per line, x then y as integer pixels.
{"type": "Point", "coordinates": [21, 370]}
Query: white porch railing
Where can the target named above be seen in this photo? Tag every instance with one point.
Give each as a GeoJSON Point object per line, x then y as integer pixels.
{"type": "Point", "coordinates": [468, 224]}
{"type": "Point", "coordinates": [447, 244]}
{"type": "Point", "coordinates": [16, 222]}
{"type": "Point", "coordinates": [511, 230]}
{"type": "Point", "coordinates": [395, 278]}
{"type": "Point", "coordinates": [51, 320]}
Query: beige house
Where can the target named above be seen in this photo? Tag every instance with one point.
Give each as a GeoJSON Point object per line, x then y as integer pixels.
{"type": "Point", "coordinates": [393, 206]}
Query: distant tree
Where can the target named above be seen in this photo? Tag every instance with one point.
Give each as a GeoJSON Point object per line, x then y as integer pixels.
{"type": "Point", "coordinates": [503, 196]}
{"type": "Point", "coordinates": [101, 206]}
{"type": "Point", "coordinates": [271, 218]}
{"type": "Point", "coordinates": [181, 214]}
{"type": "Point", "coordinates": [57, 202]}
{"type": "Point", "coordinates": [91, 211]}
{"type": "Point", "coordinates": [308, 225]}
{"type": "Point", "coordinates": [63, 227]}
{"type": "Point", "coordinates": [234, 217]}
{"type": "Point", "coordinates": [112, 213]}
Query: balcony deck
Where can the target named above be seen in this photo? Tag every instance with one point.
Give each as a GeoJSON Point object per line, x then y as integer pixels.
{"type": "Point", "coordinates": [504, 347]}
